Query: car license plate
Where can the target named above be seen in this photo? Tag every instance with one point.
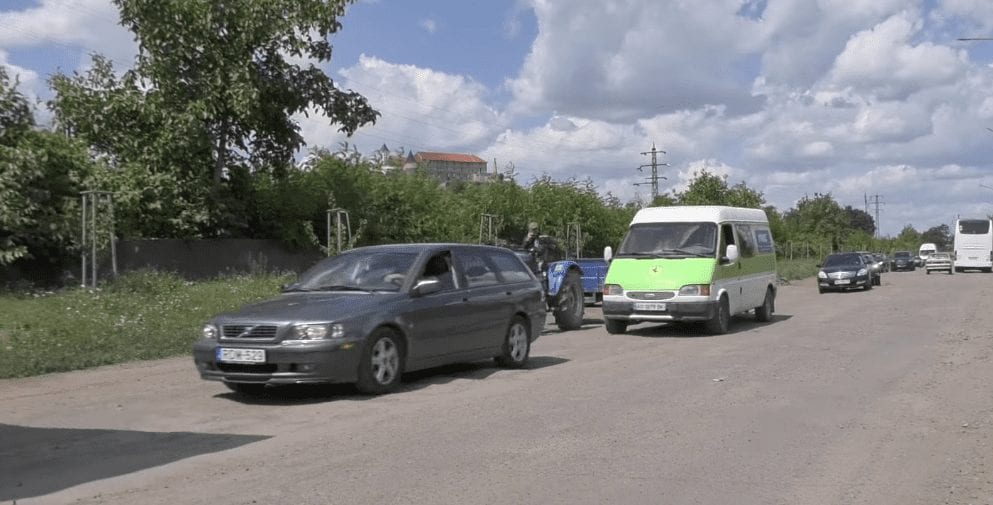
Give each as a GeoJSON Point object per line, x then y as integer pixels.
{"type": "Point", "coordinates": [228, 355]}
{"type": "Point", "coordinates": [842, 281]}
{"type": "Point", "coordinates": [650, 306]}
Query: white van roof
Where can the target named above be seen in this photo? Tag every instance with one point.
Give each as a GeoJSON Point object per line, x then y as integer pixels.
{"type": "Point", "coordinates": [705, 213]}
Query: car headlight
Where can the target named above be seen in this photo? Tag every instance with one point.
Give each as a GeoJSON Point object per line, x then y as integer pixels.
{"type": "Point", "coordinates": [862, 272]}
{"type": "Point", "coordinates": [209, 331]}
{"type": "Point", "coordinates": [695, 290]}
{"type": "Point", "coordinates": [821, 275]}
{"type": "Point", "coordinates": [613, 290]}
{"type": "Point", "coordinates": [318, 331]}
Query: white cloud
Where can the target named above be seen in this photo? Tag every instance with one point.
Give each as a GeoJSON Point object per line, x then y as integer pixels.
{"type": "Point", "coordinates": [883, 62]}
{"type": "Point", "coordinates": [421, 109]}
{"type": "Point", "coordinates": [82, 26]}
{"type": "Point", "coordinates": [429, 25]}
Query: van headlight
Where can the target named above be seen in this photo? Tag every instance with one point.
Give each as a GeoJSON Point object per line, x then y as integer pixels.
{"type": "Point", "coordinates": [318, 331]}
{"type": "Point", "coordinates": [821, 275]}
{"type": "Point", "coordinates": [613, 290]}
{"type": "Point", "coordinates": [695, 290]}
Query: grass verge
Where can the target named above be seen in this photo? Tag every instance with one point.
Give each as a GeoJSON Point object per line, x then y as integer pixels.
{"type": "Point", "coordinates": [797, 269]}
{"type": "Point", "coordinates": [143, 315]}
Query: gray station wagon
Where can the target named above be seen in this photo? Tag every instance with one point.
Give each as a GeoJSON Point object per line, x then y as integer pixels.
{"type": "Point", "coordinates": [372, 313]}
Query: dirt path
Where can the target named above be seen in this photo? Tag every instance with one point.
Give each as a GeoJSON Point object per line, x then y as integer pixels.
{"type": "Point", "coordinates": [878, 397]}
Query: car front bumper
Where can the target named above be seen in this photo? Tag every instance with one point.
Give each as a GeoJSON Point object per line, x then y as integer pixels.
{"type": "Point", "coordinates": [323, 361]}
{"type": "Point", "coordinates": [839, 284]}
{"type": "Point", "coordinates": [674, 311]}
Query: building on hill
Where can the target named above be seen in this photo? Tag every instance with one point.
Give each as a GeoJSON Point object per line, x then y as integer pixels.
{"type": "Point", "coordinates": [452, 167]}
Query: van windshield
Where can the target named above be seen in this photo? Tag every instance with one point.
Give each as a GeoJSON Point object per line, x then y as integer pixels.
{"type": "Point", "coordinates": [670, 240]}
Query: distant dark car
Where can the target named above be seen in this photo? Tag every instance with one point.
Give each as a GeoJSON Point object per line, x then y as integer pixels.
{"type": "Point", "coordinates": [904, 260]}
{"type": "Point", "coordinates": [370, 314]}
{"type": "Point", "coordinates": [844, 271]}
{"type": "Point", "coordinates": [882, 261]}
{"type": "Point", "coordinates": [875, 268]}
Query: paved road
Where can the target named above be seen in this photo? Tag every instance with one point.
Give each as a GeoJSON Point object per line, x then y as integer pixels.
{"type": "Point", "coordinates": [878, 397]}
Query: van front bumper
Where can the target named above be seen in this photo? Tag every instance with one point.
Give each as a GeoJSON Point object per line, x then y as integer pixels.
{"type": "Point", "coordinates": [674, 311]}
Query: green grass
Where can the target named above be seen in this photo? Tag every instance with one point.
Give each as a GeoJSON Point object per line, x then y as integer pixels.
{"type": "Point", "coordinates": [796, 269]}
{"type": "Point", "coordinates": [139, 316]}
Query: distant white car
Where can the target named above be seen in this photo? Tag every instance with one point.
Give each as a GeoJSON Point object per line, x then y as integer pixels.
{"type": "Point", "coordinates": [939, 261]}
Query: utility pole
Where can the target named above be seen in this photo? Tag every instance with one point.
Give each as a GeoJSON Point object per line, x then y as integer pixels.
{"type": "Point", "coordinates": [876, 201]}
{"type": "Point", "coordinates": [654, 178]}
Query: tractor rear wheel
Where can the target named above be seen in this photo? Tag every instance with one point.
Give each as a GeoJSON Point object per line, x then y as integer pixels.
{"type": "Point", "coordinates": [568, 306]}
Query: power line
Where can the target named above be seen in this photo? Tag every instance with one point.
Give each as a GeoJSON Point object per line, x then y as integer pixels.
{"type": "Point", "coordinates": [654, 178]}
{"type": "Point", "coordinates": [876, 201]}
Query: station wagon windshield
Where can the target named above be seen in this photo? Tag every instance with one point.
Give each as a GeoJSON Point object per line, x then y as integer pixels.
{"type": "Point", "coordinates": [357, 271]}
{"type": "Point", "coordinates": [670, 240]}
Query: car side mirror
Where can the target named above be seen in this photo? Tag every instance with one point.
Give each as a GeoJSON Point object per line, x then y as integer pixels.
{"type": "Point", "coordinates": [426, 287]}
{"type": "Point", "coordinates": [608, 253]}
{"type": "Point", "coordinates": [731, 255]}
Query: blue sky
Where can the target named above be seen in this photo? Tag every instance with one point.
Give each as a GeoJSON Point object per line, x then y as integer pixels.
{"type": "Point", "coordinates": [793, 97]}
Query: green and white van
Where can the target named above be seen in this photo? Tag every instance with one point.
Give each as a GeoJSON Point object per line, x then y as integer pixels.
{"type": "Point", "coordinates": [691, 263]}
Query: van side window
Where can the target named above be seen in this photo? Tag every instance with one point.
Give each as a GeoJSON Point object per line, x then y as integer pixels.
{"type": "Point", "coordinates": [746, 244]}
{"type": "Point", "coordinates": [763, 241]}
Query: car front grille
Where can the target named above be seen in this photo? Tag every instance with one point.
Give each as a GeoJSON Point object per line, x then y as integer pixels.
{"type": "Point", "coordinates": [249, 331]}
{"type": "Point", "coordinates": [840, 275]}
{"type": "Point", "coordinates": [650, 295]}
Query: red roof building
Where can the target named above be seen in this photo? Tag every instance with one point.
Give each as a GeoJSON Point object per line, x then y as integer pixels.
{"type": "Point", "coordinates": [449, 167]}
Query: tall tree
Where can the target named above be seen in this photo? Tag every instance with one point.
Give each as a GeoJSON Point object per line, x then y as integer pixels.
{"type": "Point", "coordinates": [232, 64]}
{"type": "Point", "coordinates": [859, 219]}
{"type": "Point", "coordinates": [711, 189]}
{"type": "Point", "coordinates": [940, 236]}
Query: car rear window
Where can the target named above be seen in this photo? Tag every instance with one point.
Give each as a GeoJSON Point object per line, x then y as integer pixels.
{"type": "Point", "coordinates": [511, 268]}
{"type": "Point", "coordinates": [478, 272]}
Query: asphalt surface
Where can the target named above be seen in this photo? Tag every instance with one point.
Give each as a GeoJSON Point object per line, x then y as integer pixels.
{"type": "Point", "coordinates": [877, 397]}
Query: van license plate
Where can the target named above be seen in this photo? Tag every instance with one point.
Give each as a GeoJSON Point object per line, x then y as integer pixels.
{"type": "Point", "coordinates": [240, 355]}
{"type": "Point", "coordinates": [652, 307]}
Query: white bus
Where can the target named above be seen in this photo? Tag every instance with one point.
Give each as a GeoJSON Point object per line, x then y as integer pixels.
{"type": "Point", "coordinates": [973, 244]}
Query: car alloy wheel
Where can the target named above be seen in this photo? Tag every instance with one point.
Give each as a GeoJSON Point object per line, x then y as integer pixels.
{"type": "Point", "coordinates": [385, 361]}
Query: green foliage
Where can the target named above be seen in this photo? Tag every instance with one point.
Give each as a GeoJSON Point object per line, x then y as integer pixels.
{"type": "Point", "coordinates": [818, 221]}
{"type": "Point", "coordinates": [940, 236]}
{"type": "Point", "coordinates": [142, 315]}
{"type": "Point", "coordinates": [859, 219]}
{"type": "Point", "coordinates": [16, 115]}
{"type": "Point", "coordinates": [41, 175]}
{"type": "Point", "coordinates": [229, 65]}
{"type": "Point", "coordinates": [712, 189]}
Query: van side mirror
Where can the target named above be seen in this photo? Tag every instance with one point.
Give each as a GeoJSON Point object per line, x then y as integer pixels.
{"type": "Point", "coordinates": [731, 255]}
{"type": "Point", "coordinates": [608, 253]}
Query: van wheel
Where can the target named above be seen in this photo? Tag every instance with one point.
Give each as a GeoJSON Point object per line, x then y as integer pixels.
{"type": "Point", "coordinates": [718, 325]}
{"type": "Point", "coordinates": [615, 326]}
{"type": "Point", "coordinates": [764, 312]}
